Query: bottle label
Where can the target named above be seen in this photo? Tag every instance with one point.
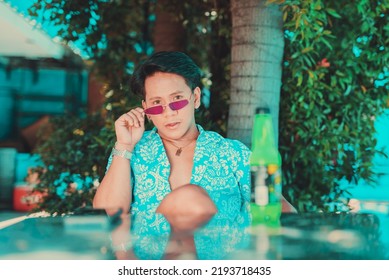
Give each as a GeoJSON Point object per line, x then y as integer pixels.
{"type": "Point", "coordinates": [266, 184]}
{"type": "Point", "coordinates": [274, 183]}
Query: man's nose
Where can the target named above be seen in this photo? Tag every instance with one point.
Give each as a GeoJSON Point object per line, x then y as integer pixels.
{"type": "Point", "coordinates": [169, 111]}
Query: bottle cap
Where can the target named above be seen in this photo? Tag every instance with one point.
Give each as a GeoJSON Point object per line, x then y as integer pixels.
{"type": "Point", "coordinates": [262, 110]}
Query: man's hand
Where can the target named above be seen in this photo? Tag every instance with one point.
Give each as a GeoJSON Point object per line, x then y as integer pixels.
{"type": "Point", "coordinates": [129, 128]}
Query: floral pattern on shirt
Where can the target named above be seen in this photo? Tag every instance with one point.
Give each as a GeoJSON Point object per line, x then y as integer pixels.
{"type": "Point", "coordinates": [220, 166]}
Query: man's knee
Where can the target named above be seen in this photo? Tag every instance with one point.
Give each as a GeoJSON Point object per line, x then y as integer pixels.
{"type": "Point", "coordinates": [187, 207]}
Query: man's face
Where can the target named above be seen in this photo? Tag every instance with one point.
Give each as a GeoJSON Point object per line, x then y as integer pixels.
{"type": "Point", "coordinates": [164, 88]}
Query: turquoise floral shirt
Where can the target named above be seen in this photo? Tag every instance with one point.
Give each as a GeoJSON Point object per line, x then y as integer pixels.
{"type": "Point", "coordinates": [220, 166]}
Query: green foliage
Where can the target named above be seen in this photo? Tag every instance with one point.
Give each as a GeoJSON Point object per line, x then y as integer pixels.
{"type": "Point", "coordinates": [117, 35]}
{"type": "Point", "coordinates": [74, 152]}
{"type": "Point", "coordinates": [334, 54]}
{"type": "Point", "coordinates": [114, 35]}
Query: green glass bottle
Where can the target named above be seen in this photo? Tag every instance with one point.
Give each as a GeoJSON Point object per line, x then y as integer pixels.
{"type": "Point", "coordinates": [265, 164]}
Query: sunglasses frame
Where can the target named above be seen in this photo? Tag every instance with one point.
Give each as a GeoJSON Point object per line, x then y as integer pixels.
{"type": "Point", "coordinates": [171, 106]}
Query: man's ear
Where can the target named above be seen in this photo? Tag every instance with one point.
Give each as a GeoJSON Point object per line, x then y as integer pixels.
{"type": "Point", "coordinates": [197, 97]}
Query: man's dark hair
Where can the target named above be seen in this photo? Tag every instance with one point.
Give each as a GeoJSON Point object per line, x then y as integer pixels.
{"type": "Point", "coordinates": [167, 62]}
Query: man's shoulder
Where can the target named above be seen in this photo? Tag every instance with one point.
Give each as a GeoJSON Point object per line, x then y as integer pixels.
{"type": "Point", "coordinates": [148, 135]}
{"type": "Point", "coordinates": [221, 141]}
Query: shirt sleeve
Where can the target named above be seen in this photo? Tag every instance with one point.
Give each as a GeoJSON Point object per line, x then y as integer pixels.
{"type": "Point", "coordinates": [243, 170]}
{"type": "Point", "coordinates": [244, 182]}
{"type": "Point", "coordinates": [241, 159]}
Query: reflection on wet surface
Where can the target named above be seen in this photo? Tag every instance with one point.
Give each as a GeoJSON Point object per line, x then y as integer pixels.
{"type": "Point", "coordinates": [95, 235]}
{"type": "Point", "coordinates": [322, 236]}
{"type": "Point", "coordinates": [216, 240]}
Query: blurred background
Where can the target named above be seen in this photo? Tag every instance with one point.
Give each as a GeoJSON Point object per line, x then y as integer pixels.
{"type": "Point", "coordinates": [320, 67]}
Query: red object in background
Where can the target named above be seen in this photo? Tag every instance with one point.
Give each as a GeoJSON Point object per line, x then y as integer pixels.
{"type": "Point", "coordinates": [324, 63]}
{"type": "Point", "coordinates": [25, 198]}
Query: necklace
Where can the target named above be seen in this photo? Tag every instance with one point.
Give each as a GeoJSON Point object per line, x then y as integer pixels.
{"type": "Point", "coordinates": [179, 149]}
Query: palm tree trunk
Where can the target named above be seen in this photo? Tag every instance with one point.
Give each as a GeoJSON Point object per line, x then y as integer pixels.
{"type": "Point", "coordinates": [169, 33]}
{"type": "Point", "coordinates": [256, 65]}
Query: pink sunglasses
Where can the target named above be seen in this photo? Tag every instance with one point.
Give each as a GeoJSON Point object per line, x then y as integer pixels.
{"type": "Point", "coordinates": [175, 105]}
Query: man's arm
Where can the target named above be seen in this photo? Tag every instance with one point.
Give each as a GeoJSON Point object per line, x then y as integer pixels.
{"type": "Point", "coordinates": [115, 189]}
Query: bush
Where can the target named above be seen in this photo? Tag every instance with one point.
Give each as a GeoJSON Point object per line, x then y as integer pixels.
{"type": "Point", "coordinates": [334, 65]}
{"type": "Point", "coordinates": [74, 152]}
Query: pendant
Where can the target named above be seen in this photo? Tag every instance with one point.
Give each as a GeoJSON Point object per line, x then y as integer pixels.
{"type": "Point", "coordinates": [178, 152]}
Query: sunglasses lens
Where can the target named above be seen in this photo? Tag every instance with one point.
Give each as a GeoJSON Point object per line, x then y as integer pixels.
{"type": "Point", "coordinates": [177, 105]}
{"type": "Point", "coordinates": [156, 110]}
